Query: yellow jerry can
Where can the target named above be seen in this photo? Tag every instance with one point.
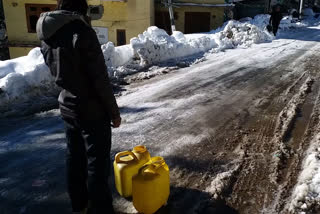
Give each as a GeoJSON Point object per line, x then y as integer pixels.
{"type": "Point", "coordinates": [126, 165]}
{"type": "Point", "coordinates": [151, 186]}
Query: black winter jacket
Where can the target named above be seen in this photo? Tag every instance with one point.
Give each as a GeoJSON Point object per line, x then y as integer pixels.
{"type": "Point", "coordinates": [72, 52]}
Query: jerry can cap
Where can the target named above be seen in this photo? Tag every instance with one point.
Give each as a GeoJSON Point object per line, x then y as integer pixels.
{"type": "Point", "coordinates": [157, 160]}
{"type": "Point", "coordinates": [140, 149]}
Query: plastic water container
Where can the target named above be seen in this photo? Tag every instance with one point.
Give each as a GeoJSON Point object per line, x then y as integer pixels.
{"type": "Point", "coordinates": [126, 165]}
{"type": "Point", "coordinates": [151, 186]}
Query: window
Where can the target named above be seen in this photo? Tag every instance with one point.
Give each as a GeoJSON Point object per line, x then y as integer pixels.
{"type": "Point", "coordinates": [121, 37]}
{"type": "Point", "coordinates": [33, 12]}
{"type": "Point", "coordinates": [96, 12]}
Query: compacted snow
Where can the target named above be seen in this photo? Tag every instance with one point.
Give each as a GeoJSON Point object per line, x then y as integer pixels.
{"type": "Point", "coordinates": [306, 195]}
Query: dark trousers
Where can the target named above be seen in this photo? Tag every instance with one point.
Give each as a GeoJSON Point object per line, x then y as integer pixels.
{"type": "Point", "coordinates": [88, 166]}
{"type": "Point", "coordinates": [275, 28]}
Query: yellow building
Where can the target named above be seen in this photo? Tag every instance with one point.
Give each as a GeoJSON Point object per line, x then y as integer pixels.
{"type": "Point", "coordinates": [120, 21]}
{"type": "Point", "coordinates": [114, 20]}
{"type": "Point", "coordinates": [192, 16]}
{"type": "Point", "coordinates": [124, 19]}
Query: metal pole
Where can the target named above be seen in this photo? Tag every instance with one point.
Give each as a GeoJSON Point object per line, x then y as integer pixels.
{"type": "Point", "coordinates": [173, 27]}
{"type": "Point", "coordinates": [300, 9]}
{"type": "Point", "coordinates": [269, 6]}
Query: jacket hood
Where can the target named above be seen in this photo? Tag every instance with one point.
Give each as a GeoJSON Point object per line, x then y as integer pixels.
{"type": "Point", "coordinates": [50, 22]}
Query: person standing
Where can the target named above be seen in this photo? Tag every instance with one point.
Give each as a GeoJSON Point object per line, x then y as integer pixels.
{"type": "Point", "coordinates": [275, 19]}
{"type": "Point", "coordinates": [87, 104]}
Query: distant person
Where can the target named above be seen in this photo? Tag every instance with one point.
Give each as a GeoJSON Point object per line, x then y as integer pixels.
{"type": "Point", "coordinates": [88, 107]}
{"type": "Point", "coordinates": [275, 19]}
{"type": "Point", "coordinates": [295, 14]}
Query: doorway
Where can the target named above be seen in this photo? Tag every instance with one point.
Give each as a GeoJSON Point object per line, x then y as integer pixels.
{"type": "Point", "coordinates": [197, 22]}
{"type": "Point", "coordinates": [121, 37]}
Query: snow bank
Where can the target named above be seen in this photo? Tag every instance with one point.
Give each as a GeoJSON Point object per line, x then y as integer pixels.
{"type": "Point", "coordinates": [308, 12]}
{"type": "Point", "coordinates": [261, 21]}
{"type": "Point", "coordinates": [288, 23]}
{"type": "Point", "coordinates": [26, 84]}
{"type": "Point", "coordinates": [155, 45]}
{"type": "Point", "coordinates": [23, 74]}
{"type": "Point", "coordinates": [117, 56]}
{"type": "Point", "coordinates": [306, 194]}
{"type": "Point", "coordinates": [237, 34]}
{"type": "Point", "coordinates": [221, 182]}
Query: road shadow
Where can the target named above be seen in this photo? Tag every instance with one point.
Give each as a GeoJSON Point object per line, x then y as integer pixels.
{"type": "Point", "coordinates": [32, 176]}
{"type": "Point", "coordinates": [132, 110]}
{"type": "Point", "coordinates": [189, 201]}
{"type": "Point", "coordinates": [32, 181]}
{"type": "Point", "coordinates": [184, 200]}
{"type": "Point", "coordinates": [196, 165]}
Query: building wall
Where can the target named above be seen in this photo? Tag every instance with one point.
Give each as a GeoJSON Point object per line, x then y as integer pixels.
{"type": "Point", "coordinates": [15, 14]}
{"type": "Point", "coordinates": [216, 15]}
{"type": "Point", "coordinates": [16, 52]}
{"type": "Point", "coordinates": [134, 16]}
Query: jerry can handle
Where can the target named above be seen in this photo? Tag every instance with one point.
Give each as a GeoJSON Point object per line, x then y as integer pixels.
{"type": "Point", "coordinates": [155, 165]}
{"type": "Point", "coordinates": [144, 168]}
{"type": "Point", "coordinates": [125, 153]}
{"type": "Point", "coordinates": [158, 164]}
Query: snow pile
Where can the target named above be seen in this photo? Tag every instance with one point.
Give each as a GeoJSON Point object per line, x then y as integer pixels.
{"type": "Point", "coordinates": [23, 78]}
{"type": "Point", "coordinates": [223, 180]}
{"type": "Point", "coordinates": [306, 195]}
{"type": "Point", "coordinates": [22, 73]}
{"type": "Point", "coordinates": [261, 21]}
{"type": "Point", "coordinates": [308, 12]}
{"type": "Point", "coordinates": [237, 34]}
{"type": "Point", "coordinates": [117, 56]}
{"type": "Point", "coordinates": [288, 23]}
{"type": "Point", "coordinates": [155, 45]}
{"type": "Point", "coordinates": [220, 183]}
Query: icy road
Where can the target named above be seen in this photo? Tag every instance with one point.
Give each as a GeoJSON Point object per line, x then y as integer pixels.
{"type": "Point", "coordinates": [234, 130]}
